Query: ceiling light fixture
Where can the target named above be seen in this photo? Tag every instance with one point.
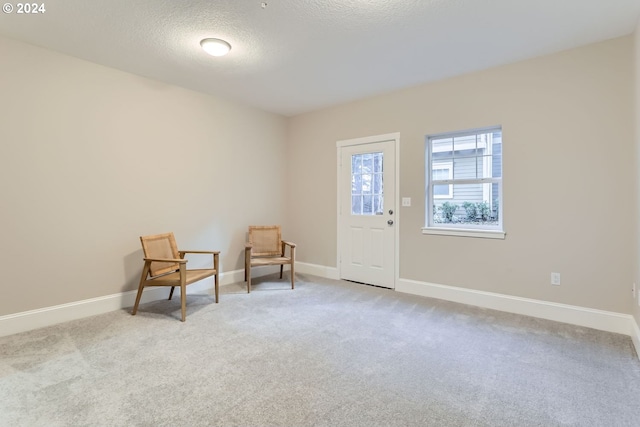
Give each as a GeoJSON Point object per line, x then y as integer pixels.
{"type": "Point", "coordinates": [215, 47]}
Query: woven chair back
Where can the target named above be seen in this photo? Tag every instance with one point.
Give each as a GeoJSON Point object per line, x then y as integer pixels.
{"type": "Point", "coordinates": [266, 240]}
{"type": "Point", "coordinates": [161, 246]}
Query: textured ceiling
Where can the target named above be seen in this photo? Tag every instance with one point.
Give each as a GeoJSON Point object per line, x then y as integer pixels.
{"type": "Point", "coordinates": [294, 56]}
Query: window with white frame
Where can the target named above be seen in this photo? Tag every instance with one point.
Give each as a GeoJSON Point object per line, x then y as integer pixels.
{"type": "Point", "coordinates": [464, 183]}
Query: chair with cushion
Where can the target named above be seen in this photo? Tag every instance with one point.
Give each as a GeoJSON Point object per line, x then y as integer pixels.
{"type": "Point", "coordinates": [164, 265]}
{"type": "Point", "coordinates": [266, 247]}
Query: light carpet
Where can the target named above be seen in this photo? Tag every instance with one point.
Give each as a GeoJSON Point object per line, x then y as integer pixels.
{"type": "Point", "coordinates": [329, 353]}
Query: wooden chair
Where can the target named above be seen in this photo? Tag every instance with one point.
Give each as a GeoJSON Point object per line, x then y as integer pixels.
{"type": "Point", "coordinates": [266, 247]}
{"type": "Point", "coordinates": [164, 265]}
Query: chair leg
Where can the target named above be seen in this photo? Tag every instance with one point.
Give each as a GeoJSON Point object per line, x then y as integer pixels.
{"type": "Point", "coordinates": [292, 277]}
{"type": "Point", "coordinates": [145, 272]}
{"type": "Point", "coordinates": [183, 301]}
{"type": "Point", "coordinates": [216, 267]}
{"type": "Point", "coordinates": [135, 306]}
{"type": "Point", "coordinates": [247, 269]}
{"type": "Point", "coordinates": [281, 268]}
{"type": "Point", "coordinates": [183, 291]}
{"type": "Point", "coordinates": [216, 288]}
{"type": "Point", "coordinates": [171, 292]}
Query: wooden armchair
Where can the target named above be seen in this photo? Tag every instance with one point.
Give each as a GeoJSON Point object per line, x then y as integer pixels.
{"type": "Point", "coordinates": [164, 265]}
{"type": "Point", "coordinates": [266, 247]}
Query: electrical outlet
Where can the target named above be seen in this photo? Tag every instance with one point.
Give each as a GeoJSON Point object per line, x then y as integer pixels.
{"type": "Point", "coordinates": [406, 201]}
{"type": "Point", "coordinates": [555, 279]}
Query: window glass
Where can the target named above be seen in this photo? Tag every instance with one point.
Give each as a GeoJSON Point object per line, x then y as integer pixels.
{"type": "Point", "coordinates": [464, 180]}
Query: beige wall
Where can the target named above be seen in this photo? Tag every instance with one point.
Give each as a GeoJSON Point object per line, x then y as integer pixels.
{"type": "Point", "coordinates": [81, 180]}
{"type": "Point", "coordinates": [568, 173]}
{"type": "Point", "coordinates": [92, 158]}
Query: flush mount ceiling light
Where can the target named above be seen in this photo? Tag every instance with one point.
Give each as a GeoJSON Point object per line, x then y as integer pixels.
{"type": "Point", "coordinates": [215, 47]}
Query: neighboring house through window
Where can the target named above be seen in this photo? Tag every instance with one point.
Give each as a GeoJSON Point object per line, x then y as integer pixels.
{"type": "Point", "coordinates": [464, 183]}
{"type": "Point", "coordinates": [442, 171]}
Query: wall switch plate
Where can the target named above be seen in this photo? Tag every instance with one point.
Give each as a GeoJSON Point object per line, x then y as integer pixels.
{"type": "Point", "coordinates": [406, 201]}
{"type": "Point", "coordinates": [555, 279]}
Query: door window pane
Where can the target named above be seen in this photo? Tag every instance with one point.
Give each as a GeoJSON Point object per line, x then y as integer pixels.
{"type": "Point", "coordinates": [367, 192]}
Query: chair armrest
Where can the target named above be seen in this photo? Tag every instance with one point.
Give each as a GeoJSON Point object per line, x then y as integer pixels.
{"type": "Point", "coordinates": [292, 247]}
{"type": "Point", "coordinates": [216, 256]}
{"type": "Point", "coordinates": [182, 261]}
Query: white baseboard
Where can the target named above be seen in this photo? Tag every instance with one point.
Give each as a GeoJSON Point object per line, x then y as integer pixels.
{"type": "Point", "coordinates": [34, 319]}
{"type": "Point", "coordinates": [597, 319]}
{"type": "Point", "coordinates": [39, 318]}
{"type": "Point", "coordinates": [592, 318]}
{"type": "Point", "coordinates": [575, 315]}
{"type": "Point", "coordinates": [317, 270]}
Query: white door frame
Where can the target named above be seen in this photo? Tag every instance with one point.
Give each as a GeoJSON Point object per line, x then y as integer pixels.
{"type": "Point", "coordinates": [395, 137]}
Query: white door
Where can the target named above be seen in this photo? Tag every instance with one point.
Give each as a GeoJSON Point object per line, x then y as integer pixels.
{"type": "Point", "coordinates": [367, 211]}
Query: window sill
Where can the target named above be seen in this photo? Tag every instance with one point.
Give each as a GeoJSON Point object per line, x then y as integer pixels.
{"type": "Point", "coordinates": [465, 232]}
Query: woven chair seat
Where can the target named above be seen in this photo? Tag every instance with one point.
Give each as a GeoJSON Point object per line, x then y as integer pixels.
{"type": "Point", "coordinates": [173, 279]}
{"type": "Point", "coordinates": [270, 261]}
